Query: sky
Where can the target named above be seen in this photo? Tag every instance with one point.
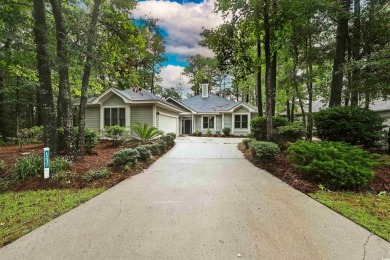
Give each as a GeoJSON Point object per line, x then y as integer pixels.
{"type": "Point", "coordinates": [182, 22]}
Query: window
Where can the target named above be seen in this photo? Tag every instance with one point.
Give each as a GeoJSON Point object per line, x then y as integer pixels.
{"type": "Point", "coordinates": [208, 122]}
{"type": "Point", "coordinates": [241, 121]}
{"type": "Point", "coordinates": [114, 116]}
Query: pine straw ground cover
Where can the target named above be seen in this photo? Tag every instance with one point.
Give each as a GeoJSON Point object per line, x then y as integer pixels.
{"type": "Point", "coordinates": [369, 207]}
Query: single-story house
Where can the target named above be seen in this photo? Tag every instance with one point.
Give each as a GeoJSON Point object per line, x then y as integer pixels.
{"type": "Point", "coordinates": [379, 106]}
{"type": "Point", "coordinates": [207, 111]}
{"type": "Point", "coordinates": [128, 107]}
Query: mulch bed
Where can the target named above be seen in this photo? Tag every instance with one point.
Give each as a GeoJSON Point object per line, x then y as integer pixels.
{"type": "Point", "coordinates": [99, 160]}
{"type": "Point", "coordinates": [282, 169]}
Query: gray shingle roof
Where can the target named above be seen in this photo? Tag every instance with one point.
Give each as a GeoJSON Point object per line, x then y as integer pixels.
{"type": "Point", "coordinates": [211, 104]}
{"type": "Point", "coordinates": [143, 95]}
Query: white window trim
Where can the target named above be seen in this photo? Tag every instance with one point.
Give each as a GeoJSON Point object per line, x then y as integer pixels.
{"type": "Point", "coordinates": [215, 122]}
{"type": "Point", "coordinates": [127, 115]}
{"type": "Point", "coordinates": [234, 122]}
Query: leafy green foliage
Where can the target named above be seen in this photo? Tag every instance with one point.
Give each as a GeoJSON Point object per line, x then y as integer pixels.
{"type": "Point", "coordinates": [65, 177]}
{"type": "Point", "coordinates": [92, 138]}
{"type": "Point", "coordinates": [146, 134]}
{"type": "Point", "coordinates": [115, 132]}
{"type": "Point", "coordinates": [247, 142]}
{"type": "Point", "coordinates": [264, 150]}
{"type": "Point", "coordinates": [169, 140]}
{"type": "Point", "coordinates": [93, 175]}
{"type": "Point", "coordinates": [349, 124]}
{"type": "Point", "coordinates": [144, 152]}
{"type": "Point", "coordinates": [173, 135]}
{"type": "Point", "coordinates": [259, 126]}
{"type": "Point", "coordinates": [60, 164]}
{"type": "Point", "coordinates": [289, 133]}
{"type": "Point", "coordinates": [2, 165]}
{"type": "Point", "coordinates": [28, 166]}
{"type": "Point", "coordinates": [336, 165]}
{"type": "Point", "coordinates": [153, 148]}
{"type": "Point", "coordinates": [124, 157]}
{"type": "Point", "coordinates": [226, 131]}
{"type": "Point", "coordinates": [27, 135]}
{"type": "Point", "coordinates": [208, 132]}
{"type": "Point", "coordinates": [197, 133]}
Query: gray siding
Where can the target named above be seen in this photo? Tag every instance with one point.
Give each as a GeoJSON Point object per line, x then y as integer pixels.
{"type": "Point", "coordinates": [241, 110]}
{"type": "Point", "coordinates": [228, 120]}
{"type": "Point", "coordinates": [386, 116]}
{"type": "Point", "coordinates": [141, 114]}
{"type": "Point", "coordinates": [114, 100]}
{"type": "Point", "coordinates": [219, 123]}
{"type": "Point", "coordinates": [253, 115]}
{"type": "Point", "coordinates": [92, 118]}
{"type": "Point", "coordinates": [198, 123]}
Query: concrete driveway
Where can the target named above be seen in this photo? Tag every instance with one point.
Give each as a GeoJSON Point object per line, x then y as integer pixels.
{"type": "Point", "coordinates": [202, 200]}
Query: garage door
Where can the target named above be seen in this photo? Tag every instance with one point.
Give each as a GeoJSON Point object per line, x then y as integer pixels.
{"type": "Point", "coordinates": [168, 124]}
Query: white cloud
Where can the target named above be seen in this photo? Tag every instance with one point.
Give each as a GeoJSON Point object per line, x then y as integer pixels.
{"type": "Point", "coordinates": [172, 77]}
{"type": "Point", "coordinates": [183, 23]}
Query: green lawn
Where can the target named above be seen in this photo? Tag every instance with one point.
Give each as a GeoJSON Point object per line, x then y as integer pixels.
{"type": "Point", "coordinates": [370, 211]}
{"type": "Point", "coordinates": [22, 212]}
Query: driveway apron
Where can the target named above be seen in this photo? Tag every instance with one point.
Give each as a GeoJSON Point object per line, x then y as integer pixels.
{"type": "Point", "coordinates": [201, 200]}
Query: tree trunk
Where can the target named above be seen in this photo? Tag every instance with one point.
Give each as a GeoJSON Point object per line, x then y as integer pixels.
{"type": "Point", "coordinates": [85, 79]}
{"type": "Point", "coordinates": [292, 109]}
{"type": "Point", "coordinates": [64, 112]}
{"type": "Point", "coordinates": [295, 79]}
{"type": "Point", "coordinates": [258, 53]}
{"type": "Point", "coordinates": [310, 91]}
{"type": "Point", "coordinates": [43, 66]}
{"type": "Point", "coordinates": [3, 130]}
{"type": "Point", "coordinates": [355, 49]}
{"type": "Point", "coordinates": [288, 105]}
{"type": "Point", "coordinates": [336, 87]}
{"type": "Point", "coordinates": [268, 70]}
{"type": "Point", "coordinates": [274, 68]}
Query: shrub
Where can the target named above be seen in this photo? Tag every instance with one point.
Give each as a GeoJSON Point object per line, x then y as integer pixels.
{"type": "Point", "coordinates": [259, 126]}
{"type": "Point", "coordinates": [162, 146]}
{"type": "Point", "coordinates": [144, 153]}
{"type": "Point", "coordinates": [124, 157]}
{"type": "Point", "coordinates": [169, 140]}
{"type": "Point", "coordinates": [4, 183]}
{"type": "Point", "coordinates": [27, 135]}
{"type": "Point", "coordinates": [145, 134]}
{"type": "Point", "coordinates": [226, 131]}
{"type": "Point", "coordinates": [93, 175]}
{"type": "Point", "coordinates": [218, 133]}
{"type": "Point", "coordinates": [349, 124]}
{"type": "Point", "coordinates": [65, 177]}
{"type": "Point", "coordinates": [92, 138]}
{"type": "Point", "coordinates": [28, 166]}
{"type": "Point", "coordinates": [290, 133]}
{"type": "Point", "coordinates": [264, 150]}
{"type": "Point", "coordinates": [208, 132]}
{"type": "Point", "coordinates": [247, 142]}
{"type": "Point", "coordinates": [336, 165]}
{"type": "Point", "coordinates": [115, 132]}
{"type": "Point", "coordinates": [173, 135]}
{"type": "Point", "coordinates": [60, 164]}
{"type": "Point", "coordinates": [2, 165]}
{"type": "Point", "coordinates": [153, 148]}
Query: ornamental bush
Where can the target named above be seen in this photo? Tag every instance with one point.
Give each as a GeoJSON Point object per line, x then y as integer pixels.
{"type": "Point", "coordinates": [173, 135]}
{"type": "Point", "coordinates": [226, 131]}
{"type": "Point", "coordinates": [60, 164]}
{"type": "Point", "coordinates": [259, 126]}
{"type": "Point", "coordinates": [144, 152]}
{"type": "Point", "coordinates": [289, 133]}
{"type": "Point", "coordinates": [124, 157]}
{"type": "Point", "coordinates": [349, 124]}
{"type": "Point", "coordinates": [153, 148]}
{"type": "Point", "coordinates": [169, 140]}
{"type": "Point", "coordinates": [115, 132]}
{"type": "Point", "coordinates": [92, 138]}
{"type": "Point", "coordinates": [264, 150]}
{"type": "Point", "coordinates": [28, 166]}
{"type": "Point", "coordinates": [247, 142]}
{"type": "Point", "coordinates": [336, 165]}
{"type": "Point", "coordinates": [93, 175]}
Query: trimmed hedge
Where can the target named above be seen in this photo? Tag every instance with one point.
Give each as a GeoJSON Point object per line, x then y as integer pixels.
{"type": "Point", "coordinates": [144, 152]}
{"type": "Point", "coordinates": [124, 157]}
{"type": "Point", "coordinates": [336, 165]}
{"type": "Point", "coordinates": [264, 150]}
{"type": "Point", "coordinates": [259, 126]}
{"type": "Point", "coordinates": [349, 124]}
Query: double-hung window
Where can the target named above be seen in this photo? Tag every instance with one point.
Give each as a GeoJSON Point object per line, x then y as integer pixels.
{"type": "Point", "coordinates": [208, 122]}
{"type": "Point", "coordinates": [114, 116]}
{"type": "Point", "coordinates": [241, 121]}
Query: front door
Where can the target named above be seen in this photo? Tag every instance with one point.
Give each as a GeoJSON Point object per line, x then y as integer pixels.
{"type": "Point", "coordinates": [187, 127]}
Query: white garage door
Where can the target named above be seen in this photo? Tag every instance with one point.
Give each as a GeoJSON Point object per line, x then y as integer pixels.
{"type": "Point", "coordinates": [168, 124]}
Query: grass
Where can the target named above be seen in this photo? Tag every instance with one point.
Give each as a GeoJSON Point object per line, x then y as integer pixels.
{"type": "Point", "coordinates": [22, 212]}
{"type": "Point", "coordinates": [368, 210]}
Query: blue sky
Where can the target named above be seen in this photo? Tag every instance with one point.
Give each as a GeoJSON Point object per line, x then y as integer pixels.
{"type": "Point", "coordinates": [182, 23]}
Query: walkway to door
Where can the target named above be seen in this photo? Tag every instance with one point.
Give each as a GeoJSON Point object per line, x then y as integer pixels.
{"type": "Point", "coordinates": [202, 200]}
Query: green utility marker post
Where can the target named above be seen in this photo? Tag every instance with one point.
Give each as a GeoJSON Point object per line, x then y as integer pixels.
{"type": "Point", "coordinates": [46, 163]}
